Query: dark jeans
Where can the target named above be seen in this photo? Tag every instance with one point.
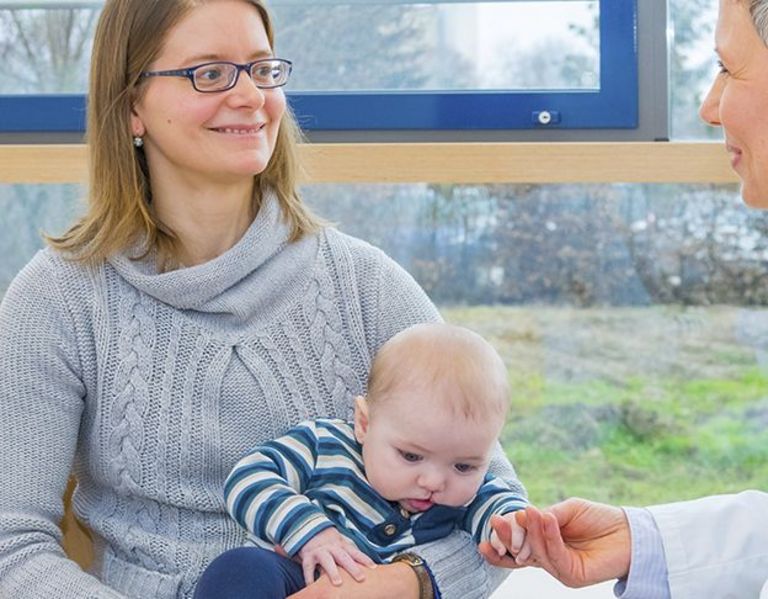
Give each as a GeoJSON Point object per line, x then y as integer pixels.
{"type": "Point", "coordinates": [250, 573]}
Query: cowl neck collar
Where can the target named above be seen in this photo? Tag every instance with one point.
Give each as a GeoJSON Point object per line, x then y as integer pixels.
{"type": "Point", "coordinates": [218, 285]}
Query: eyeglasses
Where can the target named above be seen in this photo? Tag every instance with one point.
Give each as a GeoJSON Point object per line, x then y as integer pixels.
{"type": "Point", "coordinates": [209, 77]}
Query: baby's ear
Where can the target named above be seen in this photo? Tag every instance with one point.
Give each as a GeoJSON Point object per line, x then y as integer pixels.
{"type": "Point", "coordinates": [361, 418]}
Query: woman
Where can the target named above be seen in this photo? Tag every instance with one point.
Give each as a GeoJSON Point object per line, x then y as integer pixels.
{"type": "Point", "coordinates": [196, 310]}
{"type": "Point", "coordinates": [714, 547]}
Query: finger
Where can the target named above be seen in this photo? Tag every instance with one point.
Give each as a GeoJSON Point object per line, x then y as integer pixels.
{"type": "Point", "coordinates": [503, 529]}
{"type": "Point", "coordinates": [524, 554]}
{"type": "Point", "coordinates": [518, 537]}
{"type": "Point", "coordinates": [557, 552]}
{"type": "Point", "coordinates": [538, 554]}
{"type": "Point", "coordinates": [496, 543]}
{"type": "Point", "coordinates": [548, 550]}
{"type": "Point", "coordinates": [534, 533]}
{"type": "Point", "coordinates": [346, 561]}
{"type": "Point", "coordinates": [308, 567]}
{"type": "Point", "coordinates": [328, 563]}
{"type": "Point", "coordinates": [492, 557]}
{"type": "Point", "coordinates": [521, 517]}
{"type": "Point", "coordinates": [361, 557]}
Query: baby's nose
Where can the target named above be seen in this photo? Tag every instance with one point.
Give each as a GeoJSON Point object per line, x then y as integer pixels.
{"type": "Point", "coordinates": [433, 481]}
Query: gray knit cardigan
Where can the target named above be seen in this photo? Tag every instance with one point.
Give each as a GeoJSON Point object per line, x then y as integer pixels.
{"type": "Point", "coordinates": [151, 386]}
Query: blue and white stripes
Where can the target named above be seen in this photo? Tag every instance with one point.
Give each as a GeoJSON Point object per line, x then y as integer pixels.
{"type": "Point", "coordinates": [289, 489]}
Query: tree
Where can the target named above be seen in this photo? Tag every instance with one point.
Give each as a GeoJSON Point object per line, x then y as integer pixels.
{"type": "Point", "coordinates": [45, 51]}
{"type": "Point", "coordinates": [689, 74]}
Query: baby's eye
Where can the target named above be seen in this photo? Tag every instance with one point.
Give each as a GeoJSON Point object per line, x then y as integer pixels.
{"type": "Point", "coordinates": [410, 457]}
{"type": "Point", "coordinates": [465, 468]}
{"type": "Point", "coordinates": [722, 68]}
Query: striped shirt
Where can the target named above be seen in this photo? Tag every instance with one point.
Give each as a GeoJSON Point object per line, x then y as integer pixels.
{"type": "Point", "coordinates": [286, 491]}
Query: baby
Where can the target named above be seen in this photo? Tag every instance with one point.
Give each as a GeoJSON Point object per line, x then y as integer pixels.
{"type": "Point", "coordinates": [412, 467]}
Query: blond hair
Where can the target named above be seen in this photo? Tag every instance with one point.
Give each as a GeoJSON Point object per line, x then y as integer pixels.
{"type": "Point", "coordinates": [447, 361]}
{"type": "Point", "coordinates": [129, 37]}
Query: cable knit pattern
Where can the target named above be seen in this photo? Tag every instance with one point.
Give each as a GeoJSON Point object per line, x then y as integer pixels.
{"type": "Point", "coordinates": [151, 386]}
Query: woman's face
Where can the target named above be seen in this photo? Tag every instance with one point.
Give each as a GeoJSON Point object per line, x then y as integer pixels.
{"type": "Point", "coordinates": [223, 136]}
{"type": "Point", "coordinates": [738, 100]}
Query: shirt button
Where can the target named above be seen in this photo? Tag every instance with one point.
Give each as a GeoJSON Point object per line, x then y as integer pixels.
{"type": "Point", "coordinates": [390, 529]}
{"type": "Point", "coordinates": [404, 513]}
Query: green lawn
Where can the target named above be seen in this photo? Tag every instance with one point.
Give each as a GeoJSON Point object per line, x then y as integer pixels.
{"type": "Point", "coordinates": [632, 406]}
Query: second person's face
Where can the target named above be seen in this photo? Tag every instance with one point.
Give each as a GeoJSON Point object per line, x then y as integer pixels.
{"type": "Point", "coordinates": [738, 100]}
{"type": "Point", "coordinates": [223, 136]}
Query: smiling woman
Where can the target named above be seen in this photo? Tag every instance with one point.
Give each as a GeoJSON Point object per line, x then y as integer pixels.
{"type": "Point", "coordinates": [189, 136]}
{"type": "Point", "coordinates": [739, 94]}
{"type": "Point", "coordinates": [197, 309]}
{"type": "Point", "coordinates": [183, 141]}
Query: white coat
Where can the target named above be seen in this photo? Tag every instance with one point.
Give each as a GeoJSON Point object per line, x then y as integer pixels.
{"type": "Point", "coordinates": [716, 547]}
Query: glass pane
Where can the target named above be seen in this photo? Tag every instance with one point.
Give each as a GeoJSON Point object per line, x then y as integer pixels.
{"type": "Point", "coordinates": [632, 318]}
{"type": "Point", "coordinates": [454, 46]}
{"type": "Point", "coordinates": [27, 211]}
{"type": "Point", "coordinates": [692, 66]}
{"type": "Point", "coordinates": [46, 51]}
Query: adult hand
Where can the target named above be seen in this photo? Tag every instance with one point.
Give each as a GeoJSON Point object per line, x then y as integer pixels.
{"type": "Point", "coordinates": [388, 581]}
{"type": "Point", "coordinates": [579, 542]}
{"type": "Point", "coordinates": [329, 549]}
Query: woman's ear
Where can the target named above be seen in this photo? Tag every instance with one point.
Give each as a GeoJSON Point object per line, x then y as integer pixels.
{"type": "Point", "coordinates": [137, 126]}
{"type": "Point", "coordinates": [361, 418]}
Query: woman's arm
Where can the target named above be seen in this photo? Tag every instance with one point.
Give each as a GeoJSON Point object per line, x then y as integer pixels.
{"type": "Point", "coordinates": [41, 400]}
{"type": "Point", "coordinates": [390, 581]}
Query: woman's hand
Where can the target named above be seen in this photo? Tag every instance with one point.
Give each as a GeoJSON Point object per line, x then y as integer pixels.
{"type": "Point", "coordinates": [579, 542]}
{"type": "Point", "coordinates": [387, 581]}
{"type": "Point", "coordinates": [330, 548]}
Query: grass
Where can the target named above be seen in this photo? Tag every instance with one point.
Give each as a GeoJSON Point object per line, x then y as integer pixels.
{"type": "Point", "coordinates": [631, 406]}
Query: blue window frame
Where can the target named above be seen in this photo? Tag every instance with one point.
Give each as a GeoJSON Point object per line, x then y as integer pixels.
{"type": "Point", "coordinates": [613, 105]}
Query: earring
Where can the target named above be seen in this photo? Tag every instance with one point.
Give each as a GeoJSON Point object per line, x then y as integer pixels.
{"type": "Point", "coordinates": [138, 141]}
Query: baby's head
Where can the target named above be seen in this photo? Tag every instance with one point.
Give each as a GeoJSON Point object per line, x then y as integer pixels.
{"type": "Point", "coordinates": [436, 402]}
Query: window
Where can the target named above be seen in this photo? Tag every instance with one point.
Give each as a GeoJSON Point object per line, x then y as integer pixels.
{"type": "Point", "coordinates": [463, 65]}
{"type": "Point", "coordinates": [631, 318]}
{"type": "Point", "coordinates": [552, 69]}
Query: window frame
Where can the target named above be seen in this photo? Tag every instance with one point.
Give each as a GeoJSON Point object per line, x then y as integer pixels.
{"type": "Point", "coordinates": [614, 106]}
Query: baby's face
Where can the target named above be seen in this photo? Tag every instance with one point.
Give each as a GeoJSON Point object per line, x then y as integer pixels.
{"type": "Point", "coordinates": [418, 453]}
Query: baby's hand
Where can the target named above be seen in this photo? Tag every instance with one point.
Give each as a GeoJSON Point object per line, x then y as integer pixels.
{"type": "Point", "coordinates": [329, 548]}
{"type": "Point", "coordinates": [518, 548]}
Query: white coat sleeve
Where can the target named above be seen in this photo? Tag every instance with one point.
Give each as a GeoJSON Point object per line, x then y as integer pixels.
{"type": "Point", "coordinates": [716, 547]}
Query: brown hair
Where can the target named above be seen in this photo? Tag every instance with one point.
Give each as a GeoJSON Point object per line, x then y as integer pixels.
{"type": "Point", "coordinates": [129, 36]}
{"type": "Point", "coordinates": [445, 360]}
